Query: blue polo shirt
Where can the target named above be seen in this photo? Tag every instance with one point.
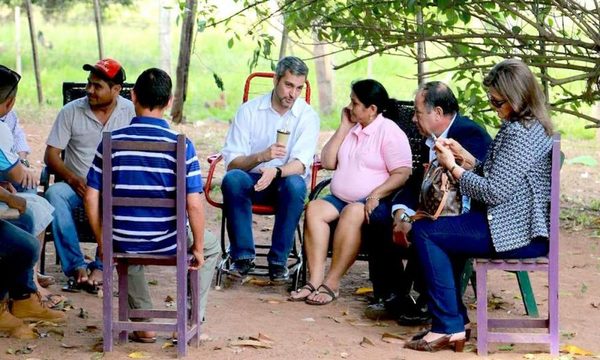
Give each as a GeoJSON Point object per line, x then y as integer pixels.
{"type": "Point", "coordinates": [146, 174]}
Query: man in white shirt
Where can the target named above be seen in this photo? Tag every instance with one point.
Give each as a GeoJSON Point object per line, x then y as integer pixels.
{"type": "Point", "coordinates": [262, 170]}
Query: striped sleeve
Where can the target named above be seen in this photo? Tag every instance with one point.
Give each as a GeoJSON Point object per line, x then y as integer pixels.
{"type": "Point", "coordinates": [193, 177]}
{"type": "Point", "coordinates": [94, 176]}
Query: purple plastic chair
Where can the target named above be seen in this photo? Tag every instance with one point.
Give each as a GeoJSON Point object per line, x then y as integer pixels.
{"type": "Point", "coordinates": [548, 264]}
{"type": "Point", "coordinates": [186, 326]}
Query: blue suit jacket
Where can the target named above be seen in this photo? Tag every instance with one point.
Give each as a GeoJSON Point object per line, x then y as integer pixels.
{"type": "Point", "coordinates": [472, 136]}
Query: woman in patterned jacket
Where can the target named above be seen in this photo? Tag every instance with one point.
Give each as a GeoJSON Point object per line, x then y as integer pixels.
{"type": "Point", "coordinates": [514, 185]}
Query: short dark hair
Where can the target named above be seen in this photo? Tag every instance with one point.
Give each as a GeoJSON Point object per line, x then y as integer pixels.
{"type": "Point", "coordinates": [292, 64]}
{"type": "Point", "coordinates": [371, 92]}
{"type": "Point", "coordinates": [153, 89]}
{"type": "Point", "coordinates": [9, 83]}
{"type": "Point", "coordinates": [436, 93]}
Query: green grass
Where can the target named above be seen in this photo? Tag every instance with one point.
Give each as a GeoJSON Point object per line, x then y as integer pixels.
{"type": "Point", "coordinates": [132, 38]}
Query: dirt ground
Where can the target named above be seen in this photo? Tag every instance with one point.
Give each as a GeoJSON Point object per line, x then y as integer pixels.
{"type": "Point", "coordinates": [338, 330]}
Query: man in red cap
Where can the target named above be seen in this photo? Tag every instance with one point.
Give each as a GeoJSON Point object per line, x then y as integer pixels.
{"type": "Point", "coordinates": [78, 130]}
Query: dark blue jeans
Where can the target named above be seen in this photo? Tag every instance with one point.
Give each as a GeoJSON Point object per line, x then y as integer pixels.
{"type": "Point", "coordinates": [19, 252]}
{"type": "Point", "coordinates": [286, 194]}
{"type": "Point", "coordinates": [443, 246]}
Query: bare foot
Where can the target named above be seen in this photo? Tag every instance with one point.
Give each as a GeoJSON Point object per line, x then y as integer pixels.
{"type": "Point", "coordinates": [95, 277]}
{"type": "Point", "coordinates": [80, 275]}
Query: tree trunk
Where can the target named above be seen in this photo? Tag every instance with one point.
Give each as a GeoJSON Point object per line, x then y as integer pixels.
{"type": "Point", "coordinates": [18, 65]}
{"type": "Point", "coordinates": [36, 64]}
{"type": "Point", "coordinates": [98, 19]}
{"type": "Point", "coordinates": [420, 51]}
{"type": "Point", "coordinates": [164, 35]}
{"type": "Point", "coordinates": [324, 77]}
{"type": "Point", "coordinates": [183, 61]}
{"type": "Point", "coordinates": [284, 42]}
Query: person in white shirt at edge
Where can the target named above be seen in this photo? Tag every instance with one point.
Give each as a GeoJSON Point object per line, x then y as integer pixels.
{"type": "Point", "coordinates": [262, 171]}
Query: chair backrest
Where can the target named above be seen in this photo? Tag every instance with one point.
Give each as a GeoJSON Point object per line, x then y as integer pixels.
{"type": "Point", "coordinates": [109, 201]}
{"type": "Point", "coordinates": [402, 115]}
{"type": "Point", "coordinates": [251, 81]}
{"type": "Point", "coordinates": [74, 90]}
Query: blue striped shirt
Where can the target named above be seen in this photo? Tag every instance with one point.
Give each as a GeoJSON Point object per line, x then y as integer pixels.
{"type": "Point", "coordinates": [145, 174]}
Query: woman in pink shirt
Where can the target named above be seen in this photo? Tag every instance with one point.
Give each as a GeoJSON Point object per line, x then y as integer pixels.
{"type": "Point", "coordinates": [371, 157]}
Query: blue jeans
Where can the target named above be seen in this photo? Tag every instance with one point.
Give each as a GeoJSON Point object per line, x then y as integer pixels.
{"type": "Point", "coordinates": [19, 252]}
{"type": "Point", "coordinates": [443, 246]}
{"type": "Point", "coordinates": [65, 199]}
{"type": "Point", "coordinates": [286, 194]}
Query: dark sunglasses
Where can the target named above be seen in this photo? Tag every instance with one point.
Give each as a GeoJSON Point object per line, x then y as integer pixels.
{"type": "Point", "coordinates": [495, 102]}
{"type": "Point", "coordinates": [13, 73]}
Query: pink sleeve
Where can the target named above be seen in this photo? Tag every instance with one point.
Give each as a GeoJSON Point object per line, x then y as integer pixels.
{"type": "Point", "coordinates": [395, 147]}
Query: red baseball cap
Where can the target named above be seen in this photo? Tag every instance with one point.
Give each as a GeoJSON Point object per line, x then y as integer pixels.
{"type": "Point", "coordinates": [107, 69]}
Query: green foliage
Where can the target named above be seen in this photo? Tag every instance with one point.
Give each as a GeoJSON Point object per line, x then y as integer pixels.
{"type": "Point", "coordinates": [559, 40]}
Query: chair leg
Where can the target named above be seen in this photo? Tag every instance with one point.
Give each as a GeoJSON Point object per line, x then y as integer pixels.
{"type": "Point", "coordinates": [482, 316]}
{"type": "Point", "coordinates": [122, 269]}
{"type": "Point", "coordinates": [527, 293]}
{"type": "Point", "coordinates": [182, 314]}
{"type": "Point", "coordinates": [107, 308]}
{"type": "Point", "coordinates": [467, 275]}
{"type": "Point", "coordinates": [553, 309]}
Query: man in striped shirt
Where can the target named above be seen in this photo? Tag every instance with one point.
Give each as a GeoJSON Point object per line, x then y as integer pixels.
{"type": "Point", "coordinates": [139, 174]}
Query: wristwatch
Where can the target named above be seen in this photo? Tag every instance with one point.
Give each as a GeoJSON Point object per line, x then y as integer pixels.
{"type": "Point", "coordinates": [25, 162]}
{"type": "Point", "coordinates": [405, 218]}
{"type": "Point", "coordinates": [278, 174]}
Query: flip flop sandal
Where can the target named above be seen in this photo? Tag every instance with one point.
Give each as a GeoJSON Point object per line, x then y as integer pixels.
{"type": "Point", "coordinates": [75, 287]}
{"type": "Point", "coordinates": [53, 300]}
{"type": "Point", "coordinates": [72, 286]}
{"type": "Point", "coordinates": [136, 337]}
{"type": "Point", "coordinates": [327, 290]}
{"type": "Point", "coordinates": [308, 286]}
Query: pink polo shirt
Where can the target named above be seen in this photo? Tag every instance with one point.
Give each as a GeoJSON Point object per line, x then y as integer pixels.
{"type": "Point", "coordinates": [366, 157]}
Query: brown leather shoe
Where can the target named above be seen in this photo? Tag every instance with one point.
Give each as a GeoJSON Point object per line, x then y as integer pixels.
{"type": "Point", "coordinates": [13, 325]}
{"type": "Point", "coordinates": [422, 334]}
{"type": "Point", "coordinates": [436, 345]}
{"type": "Point", "coordinates": [33, 309]}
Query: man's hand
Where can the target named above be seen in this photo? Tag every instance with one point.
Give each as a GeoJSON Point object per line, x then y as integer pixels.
{"type": "Point", "coordinates": [275, 151]}
{"type": "Point", "coordinates": [78, 184]}
{"type": "Point", "coordinates": [198, 259]}
{"type": "Point", "coordinates": [400, 230]}
{"type": "Point", "coordinates": [462, 156]}
{"type": "Point", "coordinates": [30, 179]}
{"type": "Point", "coordinates": [268, 174]}
{"type": "Point", "coordinates": [8, 187]}
{"type": "Point", "coordinates": [17, 202]}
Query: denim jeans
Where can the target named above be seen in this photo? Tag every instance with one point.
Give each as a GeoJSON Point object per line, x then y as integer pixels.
{"type": "Point", "coordinates": [65, 199]}
{"type": "Point", "coordinates": [286, 194]}
{"type": "Point", "coordinates": [19, 252]}
{"type": "Point", "coordinates": [443, 246]}
{"type": "Point", "coordinates": [37, 215]}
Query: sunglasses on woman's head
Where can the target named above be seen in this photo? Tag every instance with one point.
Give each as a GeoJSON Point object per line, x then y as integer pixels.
{"type": "Point", "coordinates": [495, 102]}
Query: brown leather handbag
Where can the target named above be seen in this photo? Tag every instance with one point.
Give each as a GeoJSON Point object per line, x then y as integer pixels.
{"type": "Point", "coordinates": [440, 194]}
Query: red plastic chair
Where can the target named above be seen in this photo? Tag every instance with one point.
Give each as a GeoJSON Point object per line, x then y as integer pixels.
{"type": "Point", "coordinates": [549, 264]}
{"type": "Point", "coordinates": [261, 250]}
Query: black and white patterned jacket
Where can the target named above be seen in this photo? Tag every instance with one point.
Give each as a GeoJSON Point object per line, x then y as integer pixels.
{"type": "Point", "coordinates": [514, 183]}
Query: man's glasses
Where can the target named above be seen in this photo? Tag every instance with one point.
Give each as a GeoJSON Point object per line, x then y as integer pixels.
{"type": "Point", "coordinates": [16, 80]}
{"type": "Point", "coordinates": [495, 102]}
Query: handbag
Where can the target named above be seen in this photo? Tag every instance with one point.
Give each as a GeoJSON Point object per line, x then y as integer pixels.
{"type": "Point", "coordinates": [440, 194]}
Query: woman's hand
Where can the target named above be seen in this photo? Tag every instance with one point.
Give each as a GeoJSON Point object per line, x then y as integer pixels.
{"type": "Point", "coordinates": [444, 155]}
{"type": "Point", "coordinates": [370, 205]}
{"type": "Point", "coordinates": [346, 120]}
{"type": "Point", "coordinates": [462, 156]}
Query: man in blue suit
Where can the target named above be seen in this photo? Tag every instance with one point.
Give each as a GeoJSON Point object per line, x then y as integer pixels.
{"type": "Point", "coordinates": [436, 115]}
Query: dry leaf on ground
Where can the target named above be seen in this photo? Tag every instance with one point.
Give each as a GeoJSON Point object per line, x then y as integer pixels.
{"type": "Point", "coordinates": [251, 343]}
{"type": "Point", "coordinates": [574, 350]}
{"type": "Point", "coordinates": [138, 355]}
{"type": "Point", "coordinates": [366, 341]}
{"type": "Point", "coordinates": [363, 291]}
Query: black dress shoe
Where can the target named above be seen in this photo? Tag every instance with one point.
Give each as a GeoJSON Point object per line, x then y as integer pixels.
{"type": "Point", "coordinates": [241, 268]}
{"type": "Point", "coordinates": [415, 316]}
{"type": "Point", "coordinates": [378, 311]}
{"type": "Point", "coordinates": [279, 273]}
